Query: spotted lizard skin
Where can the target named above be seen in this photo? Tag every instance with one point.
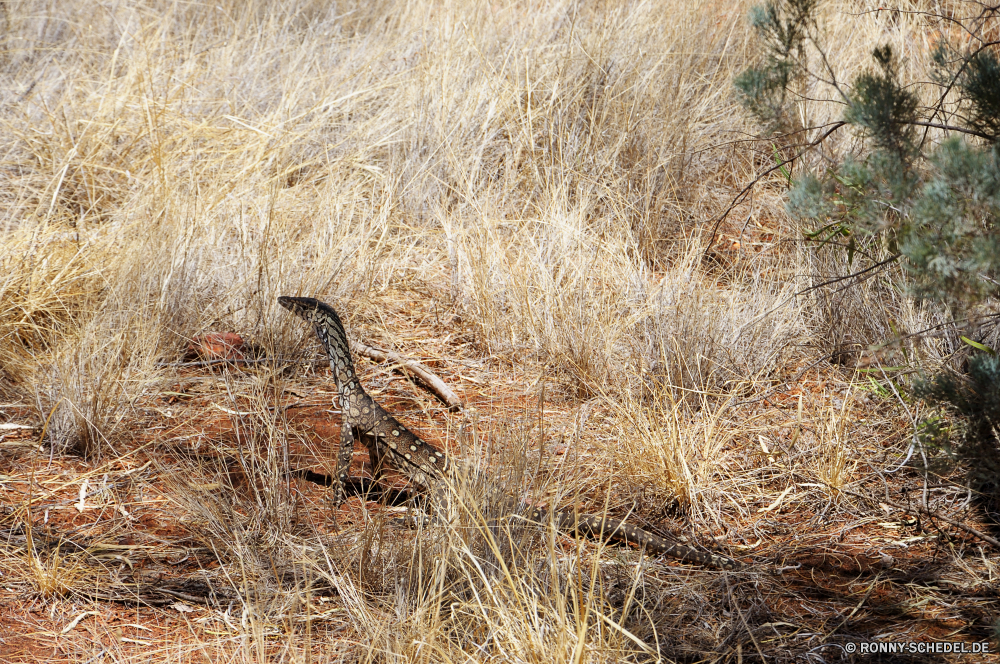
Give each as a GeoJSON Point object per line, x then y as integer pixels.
{"type": "Point", "coordinates": [390, 442]}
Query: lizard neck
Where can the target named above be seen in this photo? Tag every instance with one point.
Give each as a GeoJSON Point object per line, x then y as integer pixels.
{"type": "Point", "coordinates": [340, 360]}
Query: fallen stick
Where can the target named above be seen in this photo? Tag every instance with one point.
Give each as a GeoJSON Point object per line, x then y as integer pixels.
{"type": "Point", "coordinates": [958, 524]}
{"type": "Point", "coordinates": [435, 384]}
{"type": "Point", "coordinates": [920, 510]}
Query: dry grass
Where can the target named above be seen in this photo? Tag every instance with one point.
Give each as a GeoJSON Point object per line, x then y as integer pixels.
{"type": "Point", "coordinates": [519, 195]}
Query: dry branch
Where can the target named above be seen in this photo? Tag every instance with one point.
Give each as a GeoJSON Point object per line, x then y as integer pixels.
{"type": "Point", "coordinates": [435, 384]}
{"type": "Point", "coordinates": [934, 515]}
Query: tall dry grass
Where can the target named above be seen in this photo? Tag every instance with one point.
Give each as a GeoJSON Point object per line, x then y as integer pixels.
{"type": "Point", "coordinates": [546, 171]}
{"type": "Point", "coordinates": [542, 166]}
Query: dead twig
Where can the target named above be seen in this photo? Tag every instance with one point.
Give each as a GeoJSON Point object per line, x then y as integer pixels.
{"type": "Point", "coordinates": [740, 197]}
{"type": "Point", "coordinates": [934, 515]}
{"type": "Point", "coordinates": [958, 524]}
{"type": "Point", "coordinates": [435, 384]}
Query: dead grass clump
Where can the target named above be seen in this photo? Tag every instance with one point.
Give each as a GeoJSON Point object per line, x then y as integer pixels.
{"type": "Point", "coordinates": [700, 336]}
{"type": "Point", "coordinates": [238, 488]}
{"type": "Point", "coordinates": [87, 387]}
{"type": "Point", "coordinates": [47, 279]}
{"type": "Point", "coordinates": [482, 587]}
{"type": "Point", "coordinates": [856, 324]}
{"type": "Point", "coordinates": [54, 572]}
{"type": "Point", "coordinates": [835, 465]}
{"type": "Point", "coordinates": [681, 455]}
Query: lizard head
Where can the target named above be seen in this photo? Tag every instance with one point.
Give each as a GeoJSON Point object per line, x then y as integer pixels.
{"type": "Point", "coordinates": [305, 307]}
{"type": "Point", "coordinates": [318, 313]}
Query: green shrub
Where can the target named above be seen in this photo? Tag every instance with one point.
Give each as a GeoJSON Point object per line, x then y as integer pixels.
{"type": "Point", "coordinates": [933, 205]}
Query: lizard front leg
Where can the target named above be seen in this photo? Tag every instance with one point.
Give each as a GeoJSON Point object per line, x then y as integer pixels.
{"type": "Point", "coordinates": [344, 456]}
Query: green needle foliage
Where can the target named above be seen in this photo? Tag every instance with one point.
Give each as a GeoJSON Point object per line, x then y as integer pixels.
{"type": "Point", "coordinates": [933, 203]}
{"type": "Point", "coordinates": [884, 108]}
{"type": "Point", "coordinates": [936, 204]}
{"type": "Point", "coordinates": [975, 399]}
{"type": "Point", "coordinates": [784, 30]}
{"type": "Point", "coordinates": [977, 76]}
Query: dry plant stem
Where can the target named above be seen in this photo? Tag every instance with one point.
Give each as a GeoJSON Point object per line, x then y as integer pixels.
{"type": "Point", "coordinates": [746, 625]}
{"type": "Point", "coordinates": [835, 280]}
{"type": "Point", "coordinates": [864, 599]}
{"type": "Point", "coordinates": [185, 596]}
{"type": "Point", "coordinates": [435, 384]}
{"type": "Point", "coordinates": [740, 197]}
{"type": "Point", "coordinates": [922, 510]}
